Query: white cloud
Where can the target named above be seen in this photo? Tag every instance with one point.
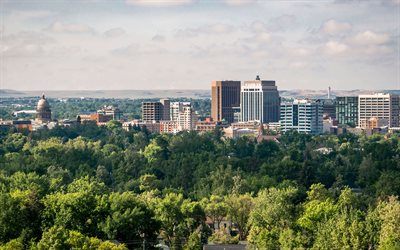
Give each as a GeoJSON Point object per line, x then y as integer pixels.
{"type": "Point", "coordinates": [211, 29]}
{"type": "Point", "coordinates": [59, 27]}
{"type": "Point", "coordinates": [26, 15]}
{"type": "Point", "coordinates": [369, 38]}
{"type": "Point", "coordinates": [115, 32]}
{"type": "Point", "coordinates": [158, 38]}
{"type": "Point", "coordinates": [334, 48]}
{"type": "Point", "coordinates": [239, 2]}
{"type": "Point", "coordinates": [334, 27]}
{"type": "Point", "coordinates": [158, 3]}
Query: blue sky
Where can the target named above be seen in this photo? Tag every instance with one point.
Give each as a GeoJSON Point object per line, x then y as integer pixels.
{"type": "Point", "coordinates": [185, 44]}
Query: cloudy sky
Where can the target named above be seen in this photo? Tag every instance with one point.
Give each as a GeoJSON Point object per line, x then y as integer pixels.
{"type": "Point", "coordinates": [185, 44]}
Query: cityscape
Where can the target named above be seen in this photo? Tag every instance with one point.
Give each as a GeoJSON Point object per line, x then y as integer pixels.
{"type": "Point", "coordinates": [241, 109]}
{"type": "Point", "coordinates": [199, 125]}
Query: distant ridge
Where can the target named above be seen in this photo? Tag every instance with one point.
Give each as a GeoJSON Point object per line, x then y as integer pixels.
{"type": "Point", "coordinates": [178, 93]}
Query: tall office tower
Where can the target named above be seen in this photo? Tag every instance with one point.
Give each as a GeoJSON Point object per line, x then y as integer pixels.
{"type": "Point", "coordinates": [381, 107]}
{"type": "Point", "coordinates": [166, 109]}
{"type": "Point", "coordinates": [152, 111]}
{"type": "Point", "coordinates": [305, 116]}
{"type": "Point", "coordinates": [225, 96]}
{"type": "Point", "coordinates": [259, 101]}
{"type": "Point", "coordinates": [347, 110]}
{"type": "Point", "coordinates": [187, 118]}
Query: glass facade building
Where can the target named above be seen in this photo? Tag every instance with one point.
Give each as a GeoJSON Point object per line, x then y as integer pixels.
{"type": "Point", "coordinates": [347, 110]}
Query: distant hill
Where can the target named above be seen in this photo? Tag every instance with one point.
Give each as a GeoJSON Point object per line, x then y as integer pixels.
{"type": "Point", "coordinates": [184, 93]}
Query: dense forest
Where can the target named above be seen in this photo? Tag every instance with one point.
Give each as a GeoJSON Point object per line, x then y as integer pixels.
{"type": "Point", "coordinates": [90, 187]}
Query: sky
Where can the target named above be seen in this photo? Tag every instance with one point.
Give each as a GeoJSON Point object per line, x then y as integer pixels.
{"type": "Point", "coordinates": [185, 44]}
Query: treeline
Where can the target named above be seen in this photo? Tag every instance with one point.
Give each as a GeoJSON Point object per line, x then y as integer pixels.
{"type": "Point", "coordinates": [71, 107]}
{"type": "Point", "coordinates": [89, 187]}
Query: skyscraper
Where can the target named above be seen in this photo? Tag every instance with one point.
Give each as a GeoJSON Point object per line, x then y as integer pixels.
{"type": "Point", "coordinates": [347, 110]}
{"type": "Point", "coordinates": [225, 96]}
{"type": "Point", "coordinates": [259, 101]}
{"type": "Point", "coordinates": [304, 116]}
{"type": "Point", "coordinates": [382, 107]}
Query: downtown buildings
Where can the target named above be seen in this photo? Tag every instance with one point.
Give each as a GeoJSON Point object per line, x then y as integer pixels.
{"type": "Point", "coordinates": [304, 116]}
{"type": "Point", "coordinates": [259, 101]}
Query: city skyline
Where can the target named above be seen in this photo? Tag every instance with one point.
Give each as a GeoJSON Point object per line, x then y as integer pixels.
{"type": "Point", "coordinates": [185, 44]}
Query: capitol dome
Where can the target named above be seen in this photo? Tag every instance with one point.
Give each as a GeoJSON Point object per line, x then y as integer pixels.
{"type": "Point", "coordinates": [43, 111]}
{"type": "Point", "coordinates": [43, 104]}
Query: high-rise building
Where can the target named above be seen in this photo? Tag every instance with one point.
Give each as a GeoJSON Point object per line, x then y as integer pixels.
{"type": "Point", "coordinates": [347, 110]}
{"type": "Point", "coordinates": [259, 101]}
{"type": "Point", "coordinates": [166, 109]}
{"type": "Point", "coordinates": [383, 107]}
{"type": "Point", "coordinates": [43, 111]}
{"type": "Point", "coordinates": [304, 116]}
{"type": "Point", "coordinates": [225, 96]}
{"type": "Point", "coordinates": [152, 111]}
{"type": "Point", "coordinates": [187, 118]}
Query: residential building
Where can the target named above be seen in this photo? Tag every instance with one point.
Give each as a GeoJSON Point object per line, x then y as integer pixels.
{"type": "Point", "coordinates": [304, 116]}
{"type": "Point", "coordinates": [259, 101]}
{"type": "Point", "coordinates": [170, 127]}
{"type": "Point", "coordinates": [225, 96]}
{"type": "Point", "coordinates": [383, 107]}
{"type": "Point", "coordinates": [187, 119]}
{"type": "Point", "coordinates": [176, 108]}
{"type": "Point", "coordinates": [347, 110]}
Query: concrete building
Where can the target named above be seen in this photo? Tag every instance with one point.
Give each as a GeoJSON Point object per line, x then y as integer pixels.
{"type": "Point", "coordinates": [166, 103]}
{"type": "Point", "coordinates": [113, 113]}
{"type": "Point", "coordinates": [304, 116]}
{"type": "Point", "coordinates": [347, 110]}
{"type": "Point", "coordinates": [43, 111]}
{"type": "Point", "coordinates": [259, 101]}
{"type": "Point", "coordinates": [225, 96]}
{"type": "Point", "coordinates": [152, 111]}
{"type": "Point", "coordinates": [176, 108]}
{"type": "Point", "coordinates": [187, 119]}
{"type": "Point", "coordinates": [169, 127]}
{"type": "Point", "coordinates": [383, 107]}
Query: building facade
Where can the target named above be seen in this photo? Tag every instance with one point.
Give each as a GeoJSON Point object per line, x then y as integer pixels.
{"type": "Point", "coordinates": [166, 103]}
{"type": "Point", "coordinates": [152, 111]}
{"type": "Point", "coordinates": [347, 110]}
{"type": "Point", "coordinates": [187, 119]}
{"type": "Point", "coordinates": [113, 112]}
{"type": "Point", "coordinates": [304, 116]}
{"type": "Point", "coordinates": [225, 96]}
{"type": "Point", "coordinates": [259, 101]}
{"type": "Point", "coordinates": [43, 111]}
{"type": "Point", "coordinates": [382, 107]}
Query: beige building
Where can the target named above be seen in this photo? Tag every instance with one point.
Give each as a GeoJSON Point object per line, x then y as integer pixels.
{"type": "Point", "coordinates": [383, 108]}
{"type": "Point", "coordinates": [187, 119]}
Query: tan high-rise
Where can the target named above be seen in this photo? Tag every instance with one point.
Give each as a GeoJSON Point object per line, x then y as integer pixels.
{"type": "Point", "coordinates": [225, 95]}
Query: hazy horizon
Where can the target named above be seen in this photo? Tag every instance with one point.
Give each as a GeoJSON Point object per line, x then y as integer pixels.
{"type": "Point", "coordinates": [90, 45]}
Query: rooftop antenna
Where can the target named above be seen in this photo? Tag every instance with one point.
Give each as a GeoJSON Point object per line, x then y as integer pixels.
{"type": "Point", "coordinates": [329, 92]}
{"type": "Point", "coordinates": [257, 77]}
